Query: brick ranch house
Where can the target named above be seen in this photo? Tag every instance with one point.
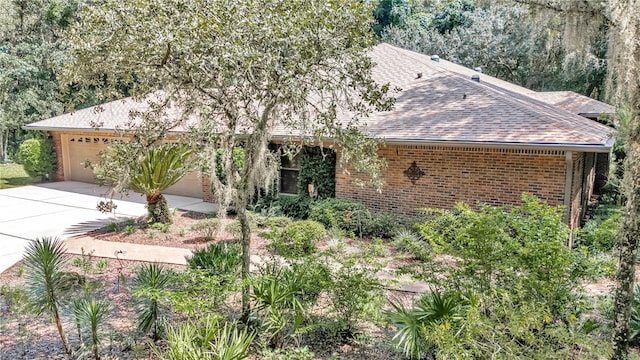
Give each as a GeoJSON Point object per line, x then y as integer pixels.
{"type": "Point", "coordinates": [455, 135]}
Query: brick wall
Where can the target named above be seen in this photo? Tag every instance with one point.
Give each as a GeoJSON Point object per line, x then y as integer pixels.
{"type": "Point", "coordinates": [493, 176]}
{"type": "Point", "coordinates": [57, 144]}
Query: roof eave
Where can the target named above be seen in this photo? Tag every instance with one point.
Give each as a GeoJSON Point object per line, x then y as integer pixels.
{"type": "Point", "coordinates": [596, 148]}
{"type": "Point", "coordinates": [84, 129]}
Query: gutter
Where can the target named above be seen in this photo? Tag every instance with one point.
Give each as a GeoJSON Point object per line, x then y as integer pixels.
{"type": "Point", "coordinates": [599, 148]}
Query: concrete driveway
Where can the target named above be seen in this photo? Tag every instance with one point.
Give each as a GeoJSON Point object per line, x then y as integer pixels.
{"type": "Point", "coordinates": [65, 209]}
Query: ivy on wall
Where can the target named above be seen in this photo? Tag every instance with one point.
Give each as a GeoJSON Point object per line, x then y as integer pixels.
{"type": "Point", "coordinates": [317, 166]}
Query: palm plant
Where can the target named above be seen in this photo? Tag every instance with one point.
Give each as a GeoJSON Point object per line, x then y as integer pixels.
{"type": "Point", "coordinates": [160, 168]}
{"type": "Point", "coordinates": [43, 260]}
{"type": "Point", "coordinates": [414, 324]}
{"type": "Point", "coordinates": [207, 340]}
{"type": "Point", "coordinates": [91, 313]}
{"type": "Point", "coordinates": [150, 282]}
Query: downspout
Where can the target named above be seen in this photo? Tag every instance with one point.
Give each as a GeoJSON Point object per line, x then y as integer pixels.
{"type": "Point", "coordinates": [568, 179]}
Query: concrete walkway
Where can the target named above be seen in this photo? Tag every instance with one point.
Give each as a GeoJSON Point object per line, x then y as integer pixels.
{"type": "Point", "coordinates": [178, 256]}
{"type": "Point", "coordinates": [65, 209]}
{"type": "Point", "coordinates": [126, 251]}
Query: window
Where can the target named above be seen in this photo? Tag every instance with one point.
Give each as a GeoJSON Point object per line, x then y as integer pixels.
{"type": "Point", "coordinates": [289, 175]}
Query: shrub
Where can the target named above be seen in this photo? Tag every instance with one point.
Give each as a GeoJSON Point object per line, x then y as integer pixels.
{"type": "Point", "coordinates": [599, 234]}
{"type": "Point", "coordinates": [278, 221]}
{"type": "Point", "coordinates": [38, 157]}
{"type": "Point", "coordinates": [217, 259]}
{"type": "Point", "coordinates": [443, 228]}
{"type": "Point", "coordinates": [207, 227]}
{"type": "Point", "coordinates": [296, 207]}
{"type": "Point", "coordinates": [354, 292]}
{"type": "Point", "coordinates": [299, 238]}
{"type": "Point", "coordinates": [381, 225]}
{"type": "Point", "coordinates": [411, 243]}
{"type": "Point", "coordinates": [343, 213]}
{"type": "Point", "coordinates": [282, 295]}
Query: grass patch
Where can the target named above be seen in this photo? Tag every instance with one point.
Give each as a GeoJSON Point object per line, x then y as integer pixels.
{"type": "Point", "coordinates": [13, 175]}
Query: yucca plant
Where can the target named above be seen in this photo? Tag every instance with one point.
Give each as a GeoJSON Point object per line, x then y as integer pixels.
{"type": "Point", "coordinates": [160, 168]}
{"type": "Point", "coordinates": [151, 280]}
{"type": "Point", "coordinates": [91, 313]}
{"type": "Point", "coordinates": [44, 261]}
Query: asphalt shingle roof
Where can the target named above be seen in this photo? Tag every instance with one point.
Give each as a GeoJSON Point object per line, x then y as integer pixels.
{"type": "Point", "coordinates": [442, 104]}
{"type": "Point", "coordinates": [446, 105]}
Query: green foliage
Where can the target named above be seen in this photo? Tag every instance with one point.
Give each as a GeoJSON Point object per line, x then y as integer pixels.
{"type": "Point", "coordinates": [162, 227]}
{"type": "Point", "coordinates": [299, 238]}
{"type": "Point", "coordinates": [207, 339]}
{"type": "Point", "coordinates": [453, 14]}
{"type": "Point", "coordinates": [532, 55]}
{"type": "Point", "coordinates": [411, 243]}
{"type": "Point", "coordinates": [343, 213]}
{"type": "Point", "coordinates": [353, 218]}
{"type": "Point", "coordinates": [44, 260]}
{"type": "Point", "coordinates": [150, 282]}
{"type": "Point", "coordinates": [599, 233]}
{"type": "Point", "coordinates": [433, 310]}
{"type": "Point", "coordinates": [207, 227]}
{"type": "Point", "coordinates": [196, 291]}
{"type": "Point", "coordinates": [289, 353]}
{"type": "Point", "coordinates": [278, 221]}
{"type": "Point", "coordinates": [354, 292]}
{"type": "Point", "coordinates": [157, 169]}
{"type": "Point", "coordinates": [129, 229]}
{"type": "Point", "coordinates": [90, 314]}
{"type": "Point", "coordinates": [296, 207]}
{"type": "Point", "coordinates": [38, 157]}
{"type": "Point", "coordinates": [317, 166]}
{"type": "Point", "coordinates": [31, 52]}
{"type": "Point", "coordinates": [526, 283]}
{"type": "Point", "coordinates": [443, 229]}
{"type": "Point", "coordinates": [219, 259]}
{"type": "Point", "coordinates": [282, 295]}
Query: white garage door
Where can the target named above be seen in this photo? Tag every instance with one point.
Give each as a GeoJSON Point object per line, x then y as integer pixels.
{"type": "Point", "coordinates": [83, 148]}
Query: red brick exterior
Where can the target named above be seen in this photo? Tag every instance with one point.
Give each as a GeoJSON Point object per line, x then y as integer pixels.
{"type": "Point", "coordinates": [471, 175]}
{"type": "Point", "coordinates": [57, 145]}
{"type": "Point", "coordinates": [207, 195]}
{"type": "Point", "coordinates": [581, 186]}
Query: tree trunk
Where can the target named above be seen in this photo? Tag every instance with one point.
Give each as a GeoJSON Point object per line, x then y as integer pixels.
{"type": "Point", "coordinates": [56, 317]}
{"type": "Point", "coordinates": [241, 210]}
{"type": "Point", "coordinates": [158, 209]}
{"type": "Point", "coordinates": [628, 243]}
{"type": "Point", "coordinates": [4, 139]}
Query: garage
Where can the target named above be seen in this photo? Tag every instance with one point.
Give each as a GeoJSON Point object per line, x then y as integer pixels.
{"type": "Point", "coordinates": [78, 149]}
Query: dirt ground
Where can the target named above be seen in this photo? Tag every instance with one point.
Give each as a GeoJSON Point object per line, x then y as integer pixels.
{"type": "Point", "coordinates": [24, 336]}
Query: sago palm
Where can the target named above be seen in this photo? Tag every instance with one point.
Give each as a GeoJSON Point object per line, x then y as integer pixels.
{"type": "Point", "coordinates": [160, 168]}
{"type": "Point", "coordinates": [44, 260]}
